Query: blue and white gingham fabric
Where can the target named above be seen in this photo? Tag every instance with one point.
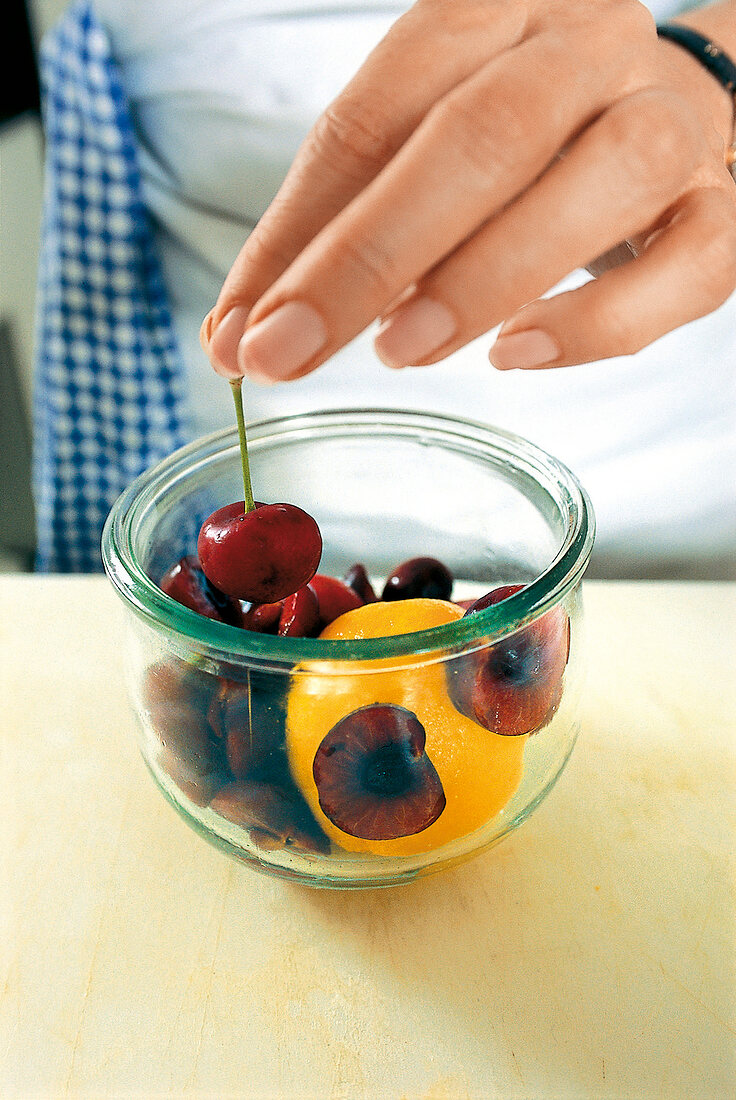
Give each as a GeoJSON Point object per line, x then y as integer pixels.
{"type": "Point", "coordinates": [109, 392]}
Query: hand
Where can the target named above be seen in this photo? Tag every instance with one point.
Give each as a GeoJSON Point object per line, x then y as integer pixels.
{"type": "Point", "coordinates": [486, 149]}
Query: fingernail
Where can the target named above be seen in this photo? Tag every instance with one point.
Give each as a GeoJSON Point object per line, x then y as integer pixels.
{"type": "Point", "coordinates": [277, 347]}
{"type": "Point", "coordinates": [413, 332]}
{"type": "Point", "coordinates": [205, 331]}
{"type": "Point", "coordinates": [221, 343]}
{"type": "Point", "coordinates": [524, 350]}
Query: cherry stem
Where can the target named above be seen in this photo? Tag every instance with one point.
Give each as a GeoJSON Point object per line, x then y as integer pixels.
{"type": "Point", "coordinates": [237, 388]}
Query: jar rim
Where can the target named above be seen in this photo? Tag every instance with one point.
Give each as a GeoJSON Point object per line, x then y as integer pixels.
{"type": "Point", "coordinates": [222, 641]}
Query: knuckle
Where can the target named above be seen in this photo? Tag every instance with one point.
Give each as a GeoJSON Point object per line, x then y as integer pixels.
{"type": "Point", "coordinates": [485, 140]}
{"type": "Point", "coordinates": [366, 258]}
{"type": "Point", "coordinates": [647, 131]}
{"type": "Point", "coordinates": [622, 21]}
{"type": "Point", "coordinates": [354, 135]}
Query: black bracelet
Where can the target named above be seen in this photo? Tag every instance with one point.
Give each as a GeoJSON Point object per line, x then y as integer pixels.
{"type": "Point", "coordinates": [718, 63]}
{"type": "Point", "coordinates": [711, 57]}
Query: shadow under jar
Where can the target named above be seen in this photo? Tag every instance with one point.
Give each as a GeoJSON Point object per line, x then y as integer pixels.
{"type": "Point", "coordinates": [363, 762]}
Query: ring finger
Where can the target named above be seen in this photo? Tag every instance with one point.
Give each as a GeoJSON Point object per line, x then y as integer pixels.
{"type": "Point", "coordinates": [581, 207]}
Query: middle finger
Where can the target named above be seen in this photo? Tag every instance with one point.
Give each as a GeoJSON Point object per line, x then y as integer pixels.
{"type": "Point", "coordinates": [473, 153]}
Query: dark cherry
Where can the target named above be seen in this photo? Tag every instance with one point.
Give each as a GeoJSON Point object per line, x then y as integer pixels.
{"type": "Point", "coordinates": [374, 779]}
{"type": "Point", "coordinates": [489, 599]}
{"type": "Point", "coordinates": [186, 583]}
{"type": "Point", "coordinates": [248, 719]}
{"type": "Point", "coordinates": [300, 614]}
{"type": "Point", "coordinates": [465, 604]}
{"type": "Point", "coordinates": [275, 815]}
{"type": "Point", "coordinates": [261, 555]}
{"type": "Point", "coordinates": [419, 577]}
{"type": "Point", "coordinates": [515, 686]}
{"type": "Point", "coordinates": [176, 698]}
{"type": "Point", "coordinates": [334, 598]}
{"type": "Point", "coordinates": [357, 579]}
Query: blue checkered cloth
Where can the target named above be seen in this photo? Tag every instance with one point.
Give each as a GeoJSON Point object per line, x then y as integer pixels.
{"type": "Point", "coordinates": [109, 380]}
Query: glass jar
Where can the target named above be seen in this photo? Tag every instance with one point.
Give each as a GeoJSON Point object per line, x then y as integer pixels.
{"type": "Point", "coordinates": [368, 761]}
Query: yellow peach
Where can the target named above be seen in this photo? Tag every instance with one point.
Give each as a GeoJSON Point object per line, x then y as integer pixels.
{"type": "Point", "coordinates": [478, 770]}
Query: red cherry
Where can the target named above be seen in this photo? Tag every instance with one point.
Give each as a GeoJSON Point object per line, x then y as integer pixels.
{"type": "Point", "coordinates": [262, 617]}
{"type": "Point", "coordinates": [515, 686]}
{"type": "Point", "coordinates": [295, 616]}
{"type": "Point", "coordinates": [334, 598]}
{"type": "Point", "coordinates": [186, 583]}
{"type": "Point", "coordinates": [262, 555]}
{"type": "Point", "coordinates": [299, 614]}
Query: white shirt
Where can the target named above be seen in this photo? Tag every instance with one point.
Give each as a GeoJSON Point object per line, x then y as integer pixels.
{"type": "Point", "coordinates": [223, 92]}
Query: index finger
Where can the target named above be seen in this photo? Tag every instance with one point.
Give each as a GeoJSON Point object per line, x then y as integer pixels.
{"type": "Point", "coordinates": [424, 55]}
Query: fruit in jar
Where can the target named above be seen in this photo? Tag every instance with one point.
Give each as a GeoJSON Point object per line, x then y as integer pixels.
{"type": "Point", "coordinates": [373, 776]}
{"type": "Point", "coordinates": [220, 743]}
{"type": "Point", "coordinates": [186, 583]}
{"type": "Point", "coordinates": [274, 815]}
{"type": "Point", "coordinates": [417, 577]}
{"type": "Point", "coordinates": [258, 552]}
{"type": "Point", "coordinates": [334, 598]}
{"type": "Point", "coordinates": [357, 578]}
{"type": "Point", "coordinates": [260, 555]}
{"type": "Point", "coordinates": [299, 614]}
{"type": "Point", "coordinates": [514, 686]}
{"type": "Point", "coordinates": [176, 698]}
{"type": "Point", "coordinates": [305, 612]}
{"type": "Point", "coordinates": [263, 618]}
{"type": "Point", "coordinates": [393, 775]}
{"type": "Point", "coordinates": [247, 718]}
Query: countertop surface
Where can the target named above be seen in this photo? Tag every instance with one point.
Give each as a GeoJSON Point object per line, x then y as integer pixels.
{"type": "Point", "coordinates": [591, 954]}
